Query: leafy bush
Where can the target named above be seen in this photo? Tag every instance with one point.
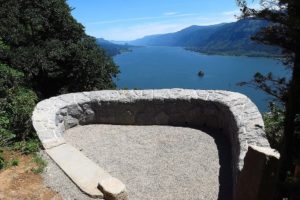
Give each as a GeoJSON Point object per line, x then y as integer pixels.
{"type": "Point", "coordinates": [41, 164]}
{"type": "Point", "coordinates": [16, 106]}
{"type": "Point", "coordinates": [14, 162]}
{"type": "Point", "coordinates": [2, 162]}
{"type": "Point", "coordinates": [274, 124]}
{"type": "Point", "coordinates": [50, 47]}
{"type": "Point", "coordinates": [27, 147]}
{"type": "Point", "coordinates": [6, 135]}
{"type": "Point", "coordinates": [44, 51]}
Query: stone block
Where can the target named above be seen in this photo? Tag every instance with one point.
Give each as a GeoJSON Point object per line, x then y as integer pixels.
{"type": "Point", "coordinates": [257, 179]}
{"type": "Point", "coordinates": [113, 189]}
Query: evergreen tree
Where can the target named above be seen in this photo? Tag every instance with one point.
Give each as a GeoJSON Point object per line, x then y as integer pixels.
{"type": "Point", "coordinates": [16, 105]}
{"type": "Point", "coordinates": [51, 49]}
{"type": "Point", "coordinates": [284, 32]}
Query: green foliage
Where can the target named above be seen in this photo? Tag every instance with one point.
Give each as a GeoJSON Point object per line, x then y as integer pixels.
{"type": "Point", "coordinates": [276, 87]}
{"type": "Point", "coordinates": [51, 49]}
{"type": "Point", "coordinates": [2, 162]}
{"type": "Point", "coordinates": [9, 78]}
{"type": "Point", "coordinates": [112, 49]}
{"type": "Point", "coordinates": [16, 106]}
{"type": "Point", "coordinates": [14, 162]}
{"type": "Point", "coordinates": [6, 135]}
{"type": "Point", "coordinates": [283, 32]}
{"type": "Point", "coordinates": [274, 123]}
{"type": "Point", "coordinates": [43, 52]}
{"type": "Point", "coordinates": [27, 147]}
{"type": "Point", "coordinates": [41, 164]}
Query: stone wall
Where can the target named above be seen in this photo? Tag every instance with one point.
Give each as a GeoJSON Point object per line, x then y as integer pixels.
{"type": "Point", "coordinates": [231, 113]}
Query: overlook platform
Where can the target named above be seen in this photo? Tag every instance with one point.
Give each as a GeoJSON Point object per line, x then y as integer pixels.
{"type": "Point", "coordinates": [159, 162]}
{"type": "Point", "coordinates": [90, 156]}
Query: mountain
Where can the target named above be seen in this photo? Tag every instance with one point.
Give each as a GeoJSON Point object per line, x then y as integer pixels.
{"type": "Point", "coordinates": [112, 49]}
{"type": "Point", "coordinates": [226, 38]}
{"type": "Point", "coordinates": [190, 36]}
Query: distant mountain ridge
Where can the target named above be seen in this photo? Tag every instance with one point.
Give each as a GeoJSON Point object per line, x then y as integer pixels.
{"type": "Point", "coordinates": [226, 38]}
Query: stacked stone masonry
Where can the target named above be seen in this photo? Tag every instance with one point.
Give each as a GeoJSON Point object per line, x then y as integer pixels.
{"type": "Point", "coordinates": [231, 113]}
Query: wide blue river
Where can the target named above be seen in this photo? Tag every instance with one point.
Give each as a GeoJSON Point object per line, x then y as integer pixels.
{"type": "Point", "coordinates": [175, 67]}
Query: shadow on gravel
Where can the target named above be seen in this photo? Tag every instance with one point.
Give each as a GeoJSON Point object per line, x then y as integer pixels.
{"type": "Point", "coordinates": [225, 174]}
{"type": "Point", "coordinates": [224, 152]}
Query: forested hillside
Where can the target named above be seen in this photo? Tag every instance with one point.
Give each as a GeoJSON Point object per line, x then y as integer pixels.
{"type": "Point", "coordinates": [51, 48]}
{"type": "Point", "coordinates": [44, 52]}
{"type": "Point", "coordinates": [226, 38]}
{"type": "Point", "coordinates": [112, 49]}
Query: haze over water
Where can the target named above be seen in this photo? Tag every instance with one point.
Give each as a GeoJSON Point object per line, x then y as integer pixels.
{"type": "Point", "coordinates": [175, 67]}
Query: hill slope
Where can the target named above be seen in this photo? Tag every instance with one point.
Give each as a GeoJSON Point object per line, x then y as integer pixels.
{"type": "Point", "coordinates": [112, 49]}
{"type": "Point", "coordinates": [226, 38]}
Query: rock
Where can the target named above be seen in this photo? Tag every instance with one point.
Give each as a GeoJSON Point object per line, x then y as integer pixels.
{"type": "Point", "coordinates": [113, 189]}
{"type": "Point", "coordinates": [257, 179]}
{"type": "Point", "coordinates": [200, 73]}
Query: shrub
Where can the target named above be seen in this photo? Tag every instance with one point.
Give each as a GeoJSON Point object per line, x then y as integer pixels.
{"type": "Point", "coordinates": [16, 106]}
{"type": "Point", "coordinates": [41, 164]}
{"type": "Point", "coordinates": [274, 123]}
{"type": "Point", "coordinates": [50, 47]}
{"type": "Point", "coordinates": [6, 135]}
{"type": "Point", "coordinates": [27, 147]}
{"type": "Point", "coordinates": [14, 162]}
{"type": "Point", "coordinates": [2, 162]}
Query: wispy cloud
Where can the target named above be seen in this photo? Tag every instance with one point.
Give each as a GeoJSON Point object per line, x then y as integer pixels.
{"type": "Point", "coordinates": [170, 15]}
{"type": "Point", "coordinates": [131, 32]}
{"type": "Point", "coordinates": [167, 22]}
{"type": "Point", "coordinates": [138, 31]}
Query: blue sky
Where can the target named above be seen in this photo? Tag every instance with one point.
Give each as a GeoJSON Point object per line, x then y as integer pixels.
{"type": "Point", "coordinates": [130, 19]}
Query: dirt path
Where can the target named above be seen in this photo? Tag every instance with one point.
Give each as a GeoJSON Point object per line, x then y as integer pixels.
{"type": "Point", "coordinates": [20, 183]}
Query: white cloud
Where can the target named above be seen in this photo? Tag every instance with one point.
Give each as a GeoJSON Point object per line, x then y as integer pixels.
{"type": "Point", "coordinates": [140, 30]}
{"type": "Point", "coordinates": [170, 13]}
{"type": "Point", "coordinates": [133, 28]}
{"type": "Point", "coordinates": [169, 16]}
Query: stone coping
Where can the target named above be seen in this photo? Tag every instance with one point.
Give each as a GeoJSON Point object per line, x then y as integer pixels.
{"type": "Point", "coordinates": [232, 113]}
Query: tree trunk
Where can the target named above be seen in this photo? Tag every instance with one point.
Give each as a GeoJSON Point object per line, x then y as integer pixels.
{"type": "Point", "coordinates": [289, 140]}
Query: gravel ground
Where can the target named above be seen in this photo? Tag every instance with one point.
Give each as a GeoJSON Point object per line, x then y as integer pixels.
{"type": "Point", "coordinates": [154, 162]}
{"type": "Point", "coordinates": [55, 178]}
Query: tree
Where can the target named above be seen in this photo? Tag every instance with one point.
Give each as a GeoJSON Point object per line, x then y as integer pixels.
{"type": "Point", "coordinates": [16, 105]}
{"type": "Point", "coordinates": [51, 49]}
{"type": "Point", "coordinates": [283, 32]}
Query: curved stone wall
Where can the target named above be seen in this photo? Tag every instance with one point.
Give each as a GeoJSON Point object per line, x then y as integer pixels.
{"type": "Point", "coordinates": [231, 113]}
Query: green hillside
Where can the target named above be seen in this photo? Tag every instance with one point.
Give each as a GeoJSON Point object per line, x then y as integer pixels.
{"type": "Point", "coordinates": [112, 49]}
{"type": "Point", "coordinates": [226, 38]}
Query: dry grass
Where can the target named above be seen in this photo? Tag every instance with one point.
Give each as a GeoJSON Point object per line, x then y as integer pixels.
{"type": "Point", "coordinates": [20, 180]}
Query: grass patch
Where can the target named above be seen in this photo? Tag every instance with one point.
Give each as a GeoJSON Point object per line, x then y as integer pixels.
{"type": "Point", "coordinates": [2, 161]}
{"type": "Point", "coordinates": [27, 147]}
{"type": "Point", "coordinates": [41, 164]}
{"type": "Point", "coordinates": [14, 162]}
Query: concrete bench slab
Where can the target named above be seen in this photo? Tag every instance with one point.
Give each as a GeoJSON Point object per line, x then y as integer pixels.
{"type": "Point", "coordinates": [82, 171]}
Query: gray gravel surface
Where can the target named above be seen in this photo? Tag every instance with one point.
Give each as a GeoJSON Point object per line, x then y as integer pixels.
{"type": "Point", "coordinates": [55, 178]}
{"type": "Point", "coordinates": [154, 162]}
